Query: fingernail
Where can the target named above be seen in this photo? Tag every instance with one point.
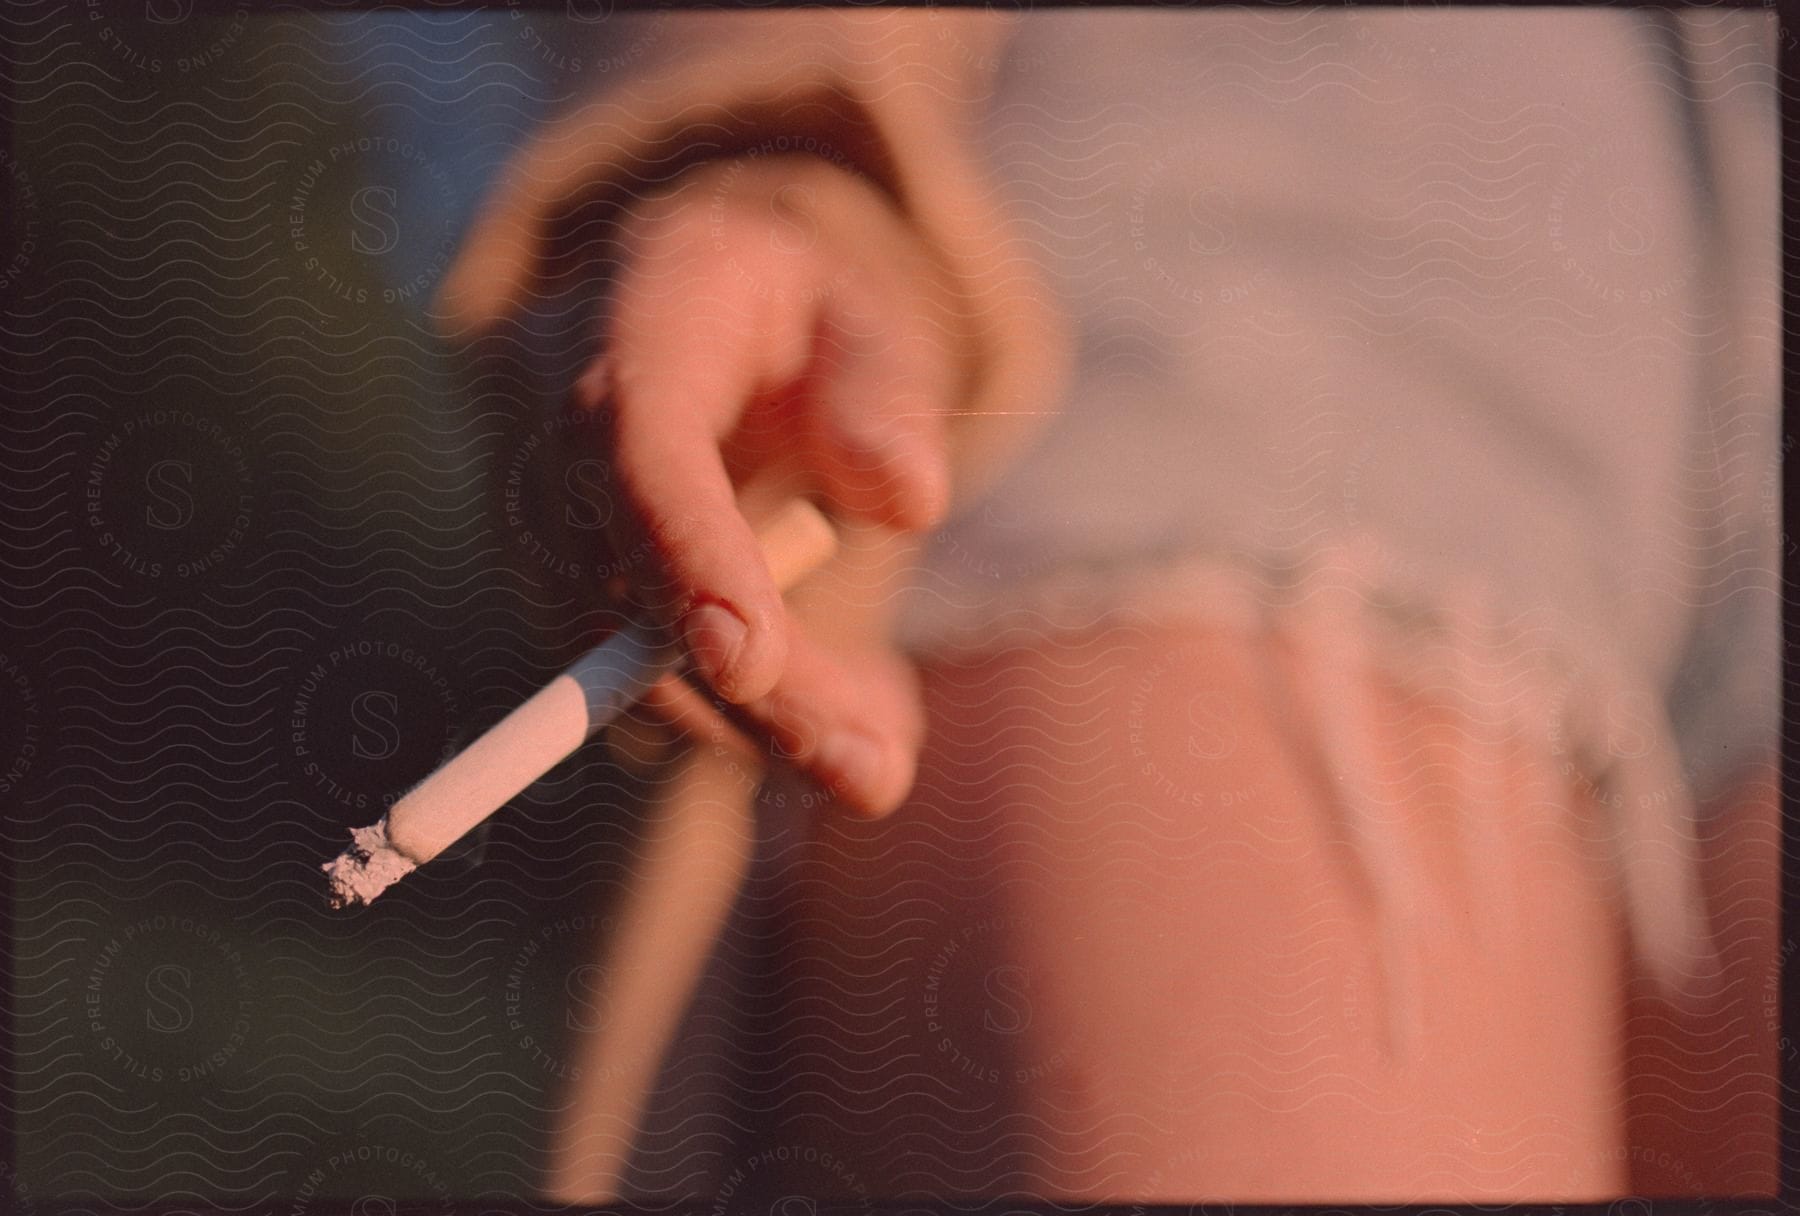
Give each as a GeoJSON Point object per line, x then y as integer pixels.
{"type": "Point", "coordinates": [851, 760]}
{"type": "Point", "coordinates": [715, 635]}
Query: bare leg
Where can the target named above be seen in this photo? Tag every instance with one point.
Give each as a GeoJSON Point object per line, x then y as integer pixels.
{"type": "Point", "coordinates": [1116, 947]}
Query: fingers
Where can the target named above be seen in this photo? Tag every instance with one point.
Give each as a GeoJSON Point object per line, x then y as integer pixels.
{"type": "Point", "coordinates": [724, 333]}
{"type": "Point", "coordinates": [576, 157]}
{"type": "Point", "coordinates": [687, 346]}
{"type": "Point", "coordinates": [492, 272]}
{"type": "Point", "coordinates": [850, 719]}
{"type": "Point", "coordinates": [884, 381]}
{"type": "Point", "coordinates": [886, 355]}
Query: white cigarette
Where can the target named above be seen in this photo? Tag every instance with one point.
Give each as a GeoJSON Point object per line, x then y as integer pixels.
{"type": "Point", "coordinates": [533, 738]}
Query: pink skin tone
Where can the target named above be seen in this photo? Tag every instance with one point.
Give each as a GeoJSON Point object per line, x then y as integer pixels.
{"type": "Point", "coordinates": [1107, 950]}
{"type": "Point", "coordinates": [1194, 991]}
{"type": "Point", "coordinates": [1173, 988]}
{"type": "Point", "coordinates": [1204, 982]}
{"type": "Point", "coordinates": [1203, 971]}
{"type": "Point", "coordinates": [776, 322]}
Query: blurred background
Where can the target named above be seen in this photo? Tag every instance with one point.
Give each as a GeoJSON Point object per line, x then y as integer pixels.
{"type": "Point", "coordinates": [272, 556]}
{"type": "Point", "coordinates": [261, 578]}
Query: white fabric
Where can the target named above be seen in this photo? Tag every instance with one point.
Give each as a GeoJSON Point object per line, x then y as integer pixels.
{"type": "Point", "coordinates": [1485, 298]}
{"type": "Point", "coordinates": [1447, 279]}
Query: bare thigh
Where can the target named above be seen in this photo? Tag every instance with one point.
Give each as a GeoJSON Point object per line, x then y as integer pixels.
{"type": "Point", "coordinates": [1120, 944]}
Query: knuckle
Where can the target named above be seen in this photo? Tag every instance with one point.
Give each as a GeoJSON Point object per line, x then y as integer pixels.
{"type": "Point", "coordinates": [605, 409]}
{"type": "Point", "coordinates": [671, 535]}
{"type": "Point", "coordinates": [733, 219]}
{"type": "Point", "coordinates": [760, 245]}
{"type": "Point", "coordinates": [663, 241]}
{"type": "Point", "coordinates": [627, 378]}
{"type": "Point", "coordinates": [594, 393]}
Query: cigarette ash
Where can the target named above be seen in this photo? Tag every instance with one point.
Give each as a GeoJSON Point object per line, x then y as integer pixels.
{"type": "Point", "coordinates": [367, 868]}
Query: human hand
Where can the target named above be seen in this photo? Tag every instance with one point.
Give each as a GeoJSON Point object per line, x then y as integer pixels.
{"type": "Point", "coordinates": [776, 322]}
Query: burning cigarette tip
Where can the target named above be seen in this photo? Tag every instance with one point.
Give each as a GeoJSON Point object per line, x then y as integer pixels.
{"type": "Point", "coordinates": [367, 868]}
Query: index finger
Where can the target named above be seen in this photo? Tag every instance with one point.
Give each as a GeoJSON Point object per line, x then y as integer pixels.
{"type": "Point", "coordinates": [690, 341]}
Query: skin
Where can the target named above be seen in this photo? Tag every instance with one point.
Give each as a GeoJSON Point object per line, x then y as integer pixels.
{"type": "Point", "coordinates": [861, 325]}
{"type": "Point", "coordinates": [777, 328]}
{"type": "Point", "coordinates": [1209, 987]}
{"type": "Point", "coordinates": [736, 359]}
{"type": "Point", "coordinates": [1166, 999]}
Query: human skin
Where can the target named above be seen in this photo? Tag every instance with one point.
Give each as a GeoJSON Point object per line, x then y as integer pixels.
{"type": "Point", "coordinates": [778, 324]}
{"type": "Point", "coordinates": [1114, 947]}
{"type": "Point", "coordinates": [1100, 956]}
{"type": "Point", "coordinates": [1204, 1022]}
{"type": "Point", "coordinates": [861, 318]}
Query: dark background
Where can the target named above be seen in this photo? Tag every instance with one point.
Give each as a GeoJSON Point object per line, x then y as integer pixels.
{"type": "Point", "coordinates": [261, 579]}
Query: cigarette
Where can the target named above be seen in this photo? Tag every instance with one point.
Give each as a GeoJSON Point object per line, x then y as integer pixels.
{"type": "Point", "coordinates": [536, 736]}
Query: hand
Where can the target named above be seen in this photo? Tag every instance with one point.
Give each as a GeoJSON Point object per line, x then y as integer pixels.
{"type": "Point", "coordinates": [775, 320]}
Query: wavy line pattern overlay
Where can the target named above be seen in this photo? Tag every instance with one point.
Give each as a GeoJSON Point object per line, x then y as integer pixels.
{"type": "Point", "coordinates": [1345, 714]}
